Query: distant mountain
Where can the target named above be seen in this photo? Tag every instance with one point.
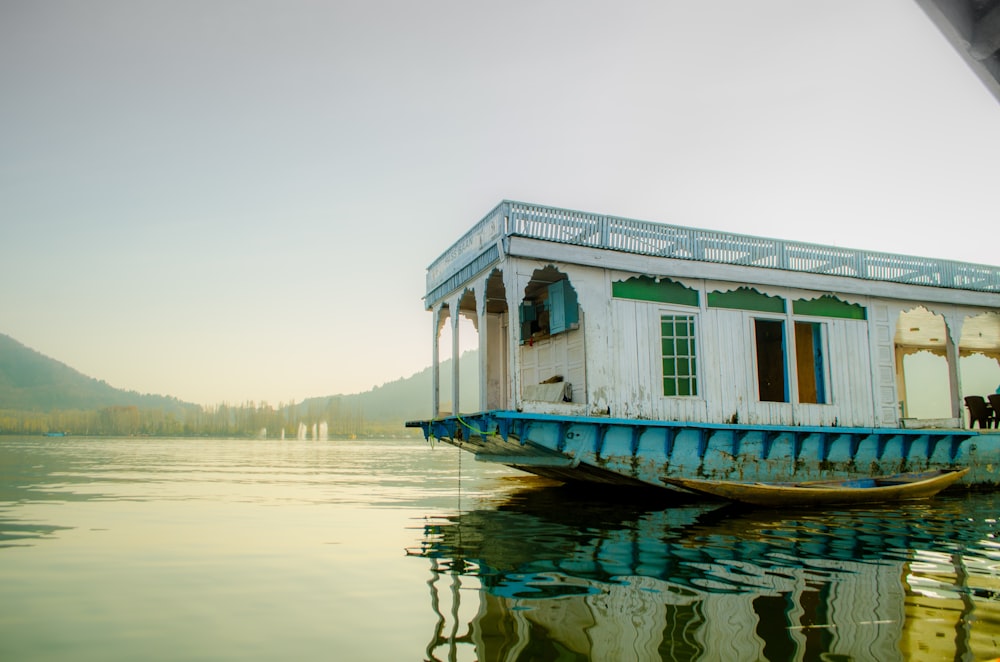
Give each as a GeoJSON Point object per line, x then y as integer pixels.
{"type": "Point", "coordinates": [30, 381]}
{"type": "Point", "coordinates": [407, 398]}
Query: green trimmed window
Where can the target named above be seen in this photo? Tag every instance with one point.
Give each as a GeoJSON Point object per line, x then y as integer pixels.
{"type": "Point", "coordinates": [677, 339]}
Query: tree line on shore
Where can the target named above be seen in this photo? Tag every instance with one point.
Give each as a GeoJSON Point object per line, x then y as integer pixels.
{"type": "Point", "coordinates": [251, 420]}
{"type": "Point", "coordinates": [39, 395]}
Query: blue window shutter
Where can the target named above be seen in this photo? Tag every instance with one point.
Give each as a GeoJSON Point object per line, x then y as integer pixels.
{"type": "Point", "coordinates": [563, 309]}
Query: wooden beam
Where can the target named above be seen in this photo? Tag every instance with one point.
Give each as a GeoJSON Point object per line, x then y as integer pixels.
{"type": "Point", "coordinates": [970, 38]}
{"type": "Point", "coordinates": [986, 35]}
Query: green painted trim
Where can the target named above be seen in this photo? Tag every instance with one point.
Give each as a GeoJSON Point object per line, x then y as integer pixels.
{"type": "Point", "coordinates": [829, 306]}
{"type": "Point", "coordinates": [644, 288]}
{"type": "Point", "coordinates": [745, 298]}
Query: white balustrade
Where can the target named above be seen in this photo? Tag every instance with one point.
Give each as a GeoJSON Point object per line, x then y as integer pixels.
{"type": "Point", "coordinates": [657, 239]}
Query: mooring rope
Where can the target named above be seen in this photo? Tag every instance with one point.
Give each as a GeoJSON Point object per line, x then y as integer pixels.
{"type": "Point", "coordinates": [476, 430]}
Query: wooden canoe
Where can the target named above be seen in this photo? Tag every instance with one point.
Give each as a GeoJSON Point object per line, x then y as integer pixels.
{"type": "Point", "coordinates": [846, 491]}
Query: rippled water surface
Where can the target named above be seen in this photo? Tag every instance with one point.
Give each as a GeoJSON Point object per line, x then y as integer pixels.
{"type": "Point", "coordinates": [125, 549]}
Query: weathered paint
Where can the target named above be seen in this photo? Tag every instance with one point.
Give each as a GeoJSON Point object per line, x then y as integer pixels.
{"type": "Point", "coordinates": [643, 452]}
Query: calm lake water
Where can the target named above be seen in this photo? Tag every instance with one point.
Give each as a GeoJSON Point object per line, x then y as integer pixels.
{"type": "Point", "coordinates": [126, 549]}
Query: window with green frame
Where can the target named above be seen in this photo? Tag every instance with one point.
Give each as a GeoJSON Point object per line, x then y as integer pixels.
{"type": "Point", "coordinates": [677, 338]}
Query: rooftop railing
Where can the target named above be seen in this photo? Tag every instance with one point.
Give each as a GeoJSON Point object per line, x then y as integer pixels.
{"type": "Point", "coordinates": [657, 239]}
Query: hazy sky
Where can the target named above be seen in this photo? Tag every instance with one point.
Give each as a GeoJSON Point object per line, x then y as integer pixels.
{"type": "Point", "coordinates": [237, 200]}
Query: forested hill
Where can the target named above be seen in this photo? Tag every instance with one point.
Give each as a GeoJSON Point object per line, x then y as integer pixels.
{"type": "Point", "coordinates": [39, 395]}
{"type": "Point", "coordinates": [408, 398]}
{"type": "Point", "coordinates": [30, 381]}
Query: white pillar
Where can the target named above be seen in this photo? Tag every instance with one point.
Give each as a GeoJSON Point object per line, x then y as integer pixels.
{"type": "Point", "coordinates": [953, 380]}
{"type": "Point", "coordinates": [454, 362]}
{"type": "Point", "coordinates": [514, 286]}
{"type": "Point", "coordinates": [435, 365]}
{"type": "Point", "coordinates": [953, 330]}
{"type": "Point", "coordinates": [484, 346]}
{"type": "Point", "coordinates": [901, 381]}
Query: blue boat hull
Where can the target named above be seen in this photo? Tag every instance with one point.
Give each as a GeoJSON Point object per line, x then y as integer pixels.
{"type": "Point", "coordinates": [640, 452]}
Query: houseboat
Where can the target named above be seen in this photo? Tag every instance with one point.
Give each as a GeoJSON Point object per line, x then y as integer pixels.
{"type": "Point", "coordinates": [628, 352]}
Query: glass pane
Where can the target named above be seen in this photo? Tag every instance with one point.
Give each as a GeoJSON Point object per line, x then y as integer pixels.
{"type": "Point", "coordinates": [677, 347]}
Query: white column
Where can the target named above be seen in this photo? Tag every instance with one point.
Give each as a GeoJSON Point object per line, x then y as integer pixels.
{"type": "Point", "coordinates": [454, 361]}
{"type": "Point", "coordinates": [483, 327]}
{"type": "Point", "coordinates": [900, 382]}
{"type": "Point", "coordinates": [514, 286]}
{"type": "Point", "coordinates": [953, 328]}
{"type": "Point", "coordinates": [435, 365]}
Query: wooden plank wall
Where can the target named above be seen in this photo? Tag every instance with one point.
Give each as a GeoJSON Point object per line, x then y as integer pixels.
{"type": "Point", "coordinates": [561, 354]}
{"type": "Point", "coordinates": [726, 371]}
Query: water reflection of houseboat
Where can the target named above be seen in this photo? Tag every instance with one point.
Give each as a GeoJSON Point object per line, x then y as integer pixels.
{"type": "Point", "coordinates": [700, 582]}
{"type": "Point", "coordinates": [622, 351]}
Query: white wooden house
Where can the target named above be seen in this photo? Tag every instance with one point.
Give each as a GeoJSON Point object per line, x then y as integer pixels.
{"type": "Point", "coordinates": [613, 331]}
